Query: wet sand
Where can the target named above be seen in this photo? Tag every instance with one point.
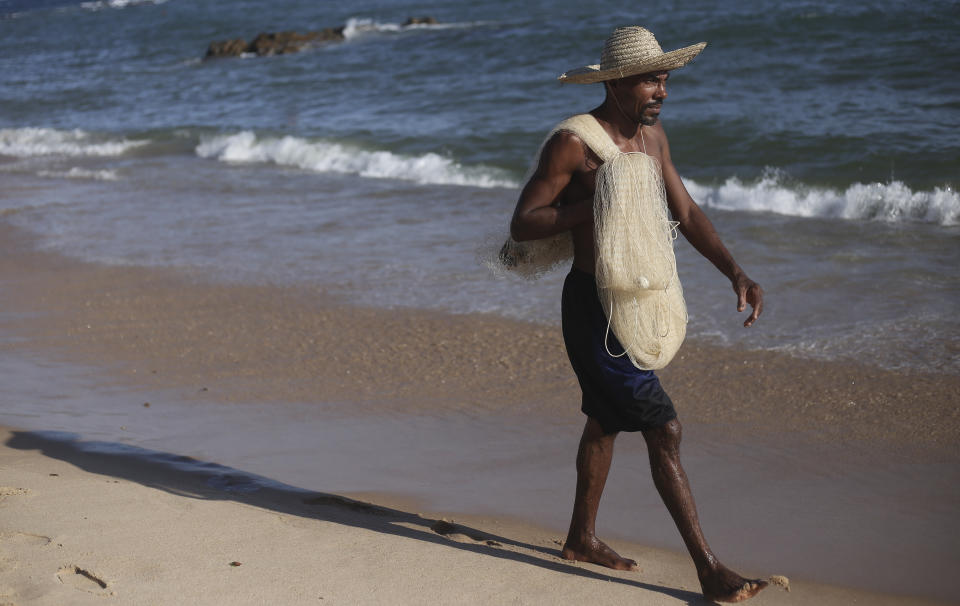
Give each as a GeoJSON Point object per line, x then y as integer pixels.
{"type": "Point", "coordinates": [149, 331]}
{"type": "Point", "coordinates": [163, 328]}
{"type": "Point", "coordinates": [79, 527]}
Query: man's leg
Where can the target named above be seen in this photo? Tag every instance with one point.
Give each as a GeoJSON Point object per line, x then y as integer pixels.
{"type": "Point", "coordinates": [593, 464]}
{"type": "Point", "coordinates": [718, 582]}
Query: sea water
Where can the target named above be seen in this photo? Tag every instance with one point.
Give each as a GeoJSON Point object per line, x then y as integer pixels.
{"type": "Point", "coordinates": [819, 137]}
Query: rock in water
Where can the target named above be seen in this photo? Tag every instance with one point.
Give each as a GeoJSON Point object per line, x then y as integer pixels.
{"type": "Point", "coordinates": [280, 43]}
{"type": "Point", "coordinates": [227, 48]}
{"type": "Point", "coordinates": [274, 43]}
{"type": "Point", "coordinates": [420, 21]}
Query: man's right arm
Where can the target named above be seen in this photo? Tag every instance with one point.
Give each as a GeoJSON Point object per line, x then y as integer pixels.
{"type": "Point", "coordinates": [539, 213]}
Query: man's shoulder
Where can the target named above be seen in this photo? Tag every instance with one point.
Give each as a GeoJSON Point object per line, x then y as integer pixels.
{"type": "Point", "coordinates": [565, 144]}
{"type": "Point", "coordinates": [656, 134]}
{"type": "Point", "coordinates": [577, 123]}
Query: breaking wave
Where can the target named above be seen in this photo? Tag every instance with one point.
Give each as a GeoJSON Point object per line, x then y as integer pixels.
{"type": "Point", "coordinates": [81, 173]}
{"type": "Point", "coordinates": [893, 202]}
{"type": "Point", "coordinates": [325, 156]}
{"type": "Point", "coordinates": [356, 26]}
{"type": "Point", "coordinates": [775, 192]}
{"type": "Point", "coordinates": [28, 142]}
{"type": "Point", "coordinates": [102, 4]}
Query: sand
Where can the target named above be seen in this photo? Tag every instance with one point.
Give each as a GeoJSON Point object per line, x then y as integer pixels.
{"type": "Point", "coordinates": [235, 342]}
{"type": "Point", "coordinates": [81, 527]}
{"type": "Point", "coordinates": [99, 528]}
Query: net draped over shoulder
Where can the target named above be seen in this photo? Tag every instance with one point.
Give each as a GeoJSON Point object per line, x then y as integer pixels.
{"type": "Point", "coordinates": [636, 269]}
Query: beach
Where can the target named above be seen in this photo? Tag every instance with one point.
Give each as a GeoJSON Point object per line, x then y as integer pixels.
{"type": "Point", "coordinates": [85, 528]}
{"type": "Point", "coordinates": [253, 348]}
{"type": "Point", "coordinates": [260, 343]}
{"type": "Point", "coordinates": [387, 421]}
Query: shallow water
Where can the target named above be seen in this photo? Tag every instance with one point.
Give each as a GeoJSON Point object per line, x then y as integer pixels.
{"type": "Point", "coordinates": [835, 289]}
{"type": "Point", "coordinates": [376, 167]}
{"type": "Point", "coordinates": [818, 137]}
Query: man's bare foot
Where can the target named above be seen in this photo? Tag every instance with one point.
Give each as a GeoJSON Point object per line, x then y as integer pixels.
{"type": "Point", "coordinates": [595, 551]}
{"type": "Point", "coordinates": [723, 585]}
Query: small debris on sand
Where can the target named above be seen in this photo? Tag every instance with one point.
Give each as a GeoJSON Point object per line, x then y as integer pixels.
{"type": "Point", "coordinates": [780, 581]}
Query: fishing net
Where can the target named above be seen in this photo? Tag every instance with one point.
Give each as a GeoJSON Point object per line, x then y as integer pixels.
{"type": "Point", "coordinates": [529, 259]}
{"type": "Point", "coordinates": [636, 270]}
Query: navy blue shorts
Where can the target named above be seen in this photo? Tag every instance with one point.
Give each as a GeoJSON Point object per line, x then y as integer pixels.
{"type": "Point", "coordinates": [620, 396]}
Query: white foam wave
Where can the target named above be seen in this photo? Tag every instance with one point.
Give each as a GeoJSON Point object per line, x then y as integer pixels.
{"type": "Point", "coordinates": [102, 4]}
{"type": "Point", "coordinates": [356, 26]}
{"type": "Point", "coordinates": [27, 142]}
{"type": "Point", "coordinates": [81, 173]}
{"type": "Point", "coordinates": [893, 202]}
{"type": "Point", "coordinates": [324, 156]}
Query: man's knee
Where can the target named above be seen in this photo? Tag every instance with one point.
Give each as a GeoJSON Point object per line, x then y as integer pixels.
{"type": "Point", "coordinates": [673, 430]}
{"type": "Point", "coordinates": [594, 442]}
{"type": "Point", "coordinates": [665, 439]}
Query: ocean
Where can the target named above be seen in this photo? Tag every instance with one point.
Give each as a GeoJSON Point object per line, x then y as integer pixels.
{"type": "Point", "coordinates": [818, 136]}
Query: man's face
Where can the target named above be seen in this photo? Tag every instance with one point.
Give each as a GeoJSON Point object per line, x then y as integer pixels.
{"type": "Point", "coordinates": [641, 96]}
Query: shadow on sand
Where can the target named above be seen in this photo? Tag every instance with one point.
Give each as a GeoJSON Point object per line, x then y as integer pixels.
{"type": "Point", "coordinates": [191, 478]}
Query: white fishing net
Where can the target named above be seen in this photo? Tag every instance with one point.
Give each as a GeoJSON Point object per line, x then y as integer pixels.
{"type": "Point", "coordinates": [636, 270]}
{"type": "Point", "coordinates": [529, 259]}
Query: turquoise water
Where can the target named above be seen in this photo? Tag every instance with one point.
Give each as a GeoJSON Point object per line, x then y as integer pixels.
{"type": "Point", "coordinates": [819, 136]}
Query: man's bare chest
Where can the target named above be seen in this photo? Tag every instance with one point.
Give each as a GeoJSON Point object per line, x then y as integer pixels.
{"type": "Point", "coordinates": [583, 183]}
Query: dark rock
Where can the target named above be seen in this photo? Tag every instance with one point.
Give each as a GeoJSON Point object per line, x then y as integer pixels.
{"type": "Point", "coordinates": [280, 43]}
{"type": "Point", "coordinates": [274, 43]}
{"type": "Point", "coordinates": [331, 34]}
{"type": "Point", "coordinates": [421, 21]}
{"type": "Point", "coordinates": [227, 48]}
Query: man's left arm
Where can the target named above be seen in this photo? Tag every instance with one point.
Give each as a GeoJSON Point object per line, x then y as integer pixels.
{"type": "Point", "coordinates": [699, 231]}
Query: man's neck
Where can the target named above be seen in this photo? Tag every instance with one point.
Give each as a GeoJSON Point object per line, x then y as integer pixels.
{"type": "Point", "coordinates": [621, 129]}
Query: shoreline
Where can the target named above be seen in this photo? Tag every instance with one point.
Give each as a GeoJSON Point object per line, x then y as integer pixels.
{"type": "Point", "coordinates": [296, 376]}
{"type": "Point", "coordinates": [164, 328]}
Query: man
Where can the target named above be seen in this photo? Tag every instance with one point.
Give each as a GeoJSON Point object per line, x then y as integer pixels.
{"type": "Point", "coordinates": [618, 396]}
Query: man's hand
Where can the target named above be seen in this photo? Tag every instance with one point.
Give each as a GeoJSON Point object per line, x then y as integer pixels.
{"type": "Point", "coordinates": [750, 292]}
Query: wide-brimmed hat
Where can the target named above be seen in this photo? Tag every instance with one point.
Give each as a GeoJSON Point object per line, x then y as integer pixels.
{"type": "Point", "coordinates": [630, 51]}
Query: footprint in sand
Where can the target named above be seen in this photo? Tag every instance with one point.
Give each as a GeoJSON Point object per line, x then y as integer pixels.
{"type": "Point", "coordinates": [461, 534]}
{"type": "Point", "coordinates": [83, 580]}
{"type": "Point", "coordinates": [24, 538]}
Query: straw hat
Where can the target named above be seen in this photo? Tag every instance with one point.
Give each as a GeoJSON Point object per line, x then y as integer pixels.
{"type": "Point", "coordinates": [629, 51]}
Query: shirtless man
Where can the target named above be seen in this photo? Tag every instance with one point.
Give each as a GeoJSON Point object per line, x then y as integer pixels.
{"type": "Point", "coordinates": [616, 395]}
